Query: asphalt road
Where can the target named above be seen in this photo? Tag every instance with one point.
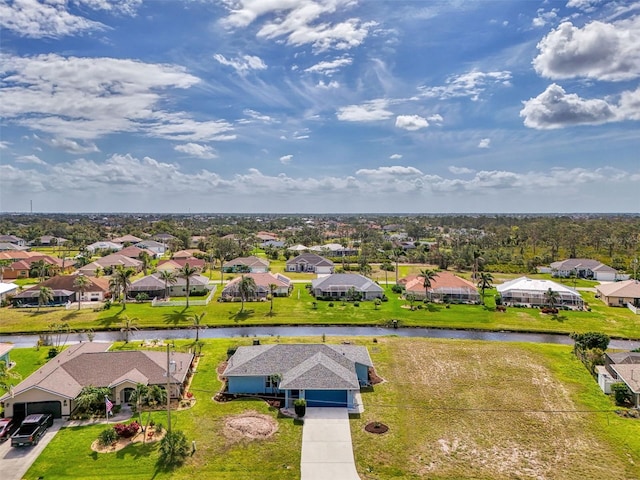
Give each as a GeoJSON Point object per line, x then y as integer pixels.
{"type": "Point", "coordinates": [15, 461]}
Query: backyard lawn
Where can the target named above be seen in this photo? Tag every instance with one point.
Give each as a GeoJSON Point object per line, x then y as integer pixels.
{"type": "Point", "coordinates": [455, 409]}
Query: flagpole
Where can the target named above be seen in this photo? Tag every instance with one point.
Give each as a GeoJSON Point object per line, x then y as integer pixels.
{"type": "Point", "coordinates": [106, 408]}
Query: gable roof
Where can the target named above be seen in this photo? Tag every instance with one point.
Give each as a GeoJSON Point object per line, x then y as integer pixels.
{"type": "Point", "coordinates": [134, 252]}
{"type": "Point", "coordinates": [301, 366]}
{"type": "Point", "coordinates": [311, 259]}
{"type": "Point", "coordinates": [535, 285]}
{"type": "Point", "coordinates": [343, 281]}
{"type": "Point", "coordinates": [581, 264]}
{"type": "Point", "coordinates": [90, 363]}
{"type": "Point", "coordinates": [127, 239]}
{"type": "Point", "coordinates": [263, 280]}
{"type": "Point", "coordinates": [8, 287]}
{"type": "Point", "coordinates": [66, 282]}
{"type": "Point", "coordinates": [251, 261]}
{"type": "Point", "coordinates": [444, 282]}
{"type": "Point", "coordinates": [626, 288]}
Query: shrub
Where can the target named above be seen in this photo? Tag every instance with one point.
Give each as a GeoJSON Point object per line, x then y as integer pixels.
{"type": "Point", "coordinates": [397, 289]}
{"type": "Point", "coordinates": [356, 304]}
{"type": "Point", "coordinates": [126, 431]}
{"type": "Point", "coordinates": [300, 407]}
{"type": "Point", "coordinates": [620, 393]}
{"type": "Point", "coordinates": [589, 340]}
{"type": "Point", "coordinates": [107, 436]}
{"type": "Point", "coordinates": [53, 351]}
{"type": "Point", "coordinates": [174, 449]}
{"type": "Point", "coordinates": [231, 351]}
{"type": "Point", "coordinates": [331, 304]}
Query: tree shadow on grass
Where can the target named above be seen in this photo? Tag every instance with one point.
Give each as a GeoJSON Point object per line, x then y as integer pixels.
{"type": "Point", "coordinates": [111, 319]}
{"type": "Point", "coordinates": [176, 317]}
{"type": "Point", "coordinates": [241, 316]}
{"type": "Point", "coordinates": [271, 314]}
{"type": "Point", "coordinates": [137, 450]}
{"type": "Point", "coordinates": [559, 318]}
{"type": "Point", "coordinates": [431, 307]}
{"type": "Point", "coordinates": [71, 315]}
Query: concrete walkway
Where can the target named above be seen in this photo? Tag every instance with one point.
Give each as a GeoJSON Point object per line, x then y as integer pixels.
{"type": "Point", "coordinates": [327, 452]}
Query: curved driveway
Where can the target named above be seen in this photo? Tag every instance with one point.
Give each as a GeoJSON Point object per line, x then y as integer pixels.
{"type": "Point", "coordinates": [327, 452]}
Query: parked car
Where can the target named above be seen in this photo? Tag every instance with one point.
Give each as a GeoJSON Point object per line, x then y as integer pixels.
{"type": "Point", "coordinates": [31, 429]}
{"type": "Point", "coordinates": [6, 428]}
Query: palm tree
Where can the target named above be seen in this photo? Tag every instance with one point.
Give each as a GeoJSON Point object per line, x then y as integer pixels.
{"type": "Point", "coordinates": [551, 298]}
{"type": "Point", "coordinates": [428, 276]}
{"type": "Point", "coordinates": [187, 272]}
{"type": "Point", "coordinates": [139, 395]}
{"type": "Point", "coordinates": [6, 375]}
{"type": "Point", "coordinates": [246, 288]}
{"type": "Point", "coordinates": [196, 320]}
{"type": "Point", "coordinates": [485, 282]}
{"type": "Point", "coordinates": [3, 264]}
{"type": "Point", "coordinates": [82, 284]}
{"type": "Point", "coordinates": [169, 278]}
{"type": "Point", "coordinates": [397, 252]}
{"type": "Point", "coordinates": [386, 267]}
{"type": "Point", "coordinates": [123, 278]}
{"type": "Point", "coordinates": [40, 268]}
{"type": "Point", "coordinates": [44, 297]}
{"type": "Point", "coordinates": [272, 291]}
{"type": "Point", "coordinates": [145, 258]}
{"type": "Point", "coordinates": [129, 325]}
{"type": "Point", "coordinates": [477, 260]}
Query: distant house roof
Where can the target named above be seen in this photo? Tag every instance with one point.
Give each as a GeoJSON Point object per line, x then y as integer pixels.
{"type": "Point", "coordinates": [134, 252]}
{"type": "Point", "coordinates": [298, 248]}
{"type": "Point", "coordinates": [67, 283]}
{"type": "Point", "coordinates": [105, 245]}
{"type": "Point", "coordinates": [117, 259]}
{"type": "Point", "coordinates": [535, 285]}
{"type": "Point", "coordinates": [90, 363]}
{"type": "Point", "coordinates": [150, 244]}
{"type": "Point", "coordinates": [154, 282]}
{"type": "Point", "coordinates": [11, 239]}
{"type": "Point", "coordinates": [343, 281]}
{"type": "Point", "coordinates": [582, 264]}
{"type": "Point", "coordinates": [163, 237]}
{"type": "Point", "coordinates": [8, 288]}
{"type": "Point", "coordinates": [625, 289]}
{"type": "Point", "coordinates": [127, 239]}
{"type": "Point", "coordinates": [250, 262]}
{"type": "Point", "coordinates": [188, 253]}
{"type": "Point", "coordinates": [301, 366]}
{"type": "Point", "coordinates": [178, 263]}
{"type": "Point", "coordinates": [6, 246]}
{"type": "Point", "coordinates": [445, 282]}
{"type": "Point", "coordinates": [263, 280]}
{"type": "Point", "coordinates": [311, 259]}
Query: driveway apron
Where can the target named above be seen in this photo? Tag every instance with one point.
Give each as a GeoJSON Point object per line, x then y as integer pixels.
{"type": "Point", "coordinates": [327, 452]}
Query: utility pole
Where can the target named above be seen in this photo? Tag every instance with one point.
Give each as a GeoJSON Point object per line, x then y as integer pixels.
{"type": "Point", "coordinates": [168, 390]}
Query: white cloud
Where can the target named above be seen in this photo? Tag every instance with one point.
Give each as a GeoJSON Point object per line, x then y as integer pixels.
{"type": "Point", "coordinates": [460, 170]}
{"type": "Point", "coordinates": [242, 65]}
{"type": "Point", "coordinates": [196, 150]}
{"type": "Point", "coordinates": [471, 84]}
{"type": "Point", "coordinates": [32, 159]}
{"type": "Point", "coordinates": [70, 146]}
{"type": "Point", "coordinates": [395, 156]}
{"type": "Point", "coordinates": [286, 159]}
{"type": "Point", "coordinates": [327, 86]}
{"type": "Point", "coordinates": [301, 22]}
{"type": "Point", "coordinates": [435, 118]}
{"type": "Point", "coordinates": [255, 116]}
{"type": "Point", "coordinates": [372, 111]}
{"type": "Point", "coordinates": [386, 172]}
{"type": "Point", "coordinates": [554, 108]}
{"type": "Point", "coordinates": [586, 5]}
{"type": "Point", "coordinates": [543, 18]}
{"type": "Point", "coordinates": [411, 122]}
{"type": "Point", "coordinates": [4, 144]}
{"type": "Point", "coordinates": [602, 51]}
{"type": "Point", "coordinates": [629, 105]}
{"type": "Point", "coordinates": [484, 143]}
{"type": "Point", "coordinates": [330, 67]}
{"type": "Point", "coordinates": [86, 98]}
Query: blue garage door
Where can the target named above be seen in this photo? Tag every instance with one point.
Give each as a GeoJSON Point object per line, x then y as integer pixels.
{"type": "Point", "coordinates": [326, 398]}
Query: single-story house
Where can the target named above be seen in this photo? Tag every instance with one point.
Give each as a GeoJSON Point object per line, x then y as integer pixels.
{"type": "Point", "coordinates": [621, 367]}
{"type": "Point", "coordinates": [334, 250]}
{"type": "Point", "coordinates": [310, 263]}
{"type": "Point", "coordinates": [17, 241]}
{"type": "Point", "coordinates": [5, 348]}
{"type": "Point", "coordinates": [586, 268]}
{"type": "Point", "coordinates": [246, 265]}
{"type": "Point", "coordinates": [132, 239]}
{"type": "Point", "coordinates": [154, 286]}
{"type": "Point", "coordinates": [445, 287]}
{"type": "Point", "coordinates": [104, 245]}
{"type": "Point", "coordinates": [134, 252]}
{"type": "Point", "coordinates": [110, 261]}
{"type": "Point", "coordinates": [22, 268]}
{"type": "Point", "coordinates": [272, 244]}
{"type": "Point", "coordinates": [262, 280]}
{"type": "Point", "coordinates": [176, 264]}
{"type": "Point", "coordinates": [7, 289]}
{"type": "Point", "coordinates": [619, 294]}
{"type": "Point", "coordinates": [266, 236]}
{"type": "Point", "coordinates": [30, 298]}
{"type": "Point", "coordinates": [529, 292]}
{"type": "Point", "coordinates": [54, 387]}
{"type": "Point", "coordinates": [186, 254]}
{"type": "Point", "coordinates": [12, 247]}
{"type": "Point", "coordinates": [95, 291]}
{"type": "Point", "coordinates": [338, 285]}
{"type": "Point", "coordinates": [156, 247]}
{"type": "Point", "coordinates": [298, 248]}
{"type": "Point", "coordinates": [324, 375]}
{"type": "Point", "coordinates": [163, 237]}
{"type": "Point", "coordinates": [47, 240]}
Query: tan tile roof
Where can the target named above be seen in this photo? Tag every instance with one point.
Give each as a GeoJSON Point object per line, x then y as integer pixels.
{"type": "Point", "coordinates": [443, 280]}
{"type": "Point", "coordinates": [627, 288]}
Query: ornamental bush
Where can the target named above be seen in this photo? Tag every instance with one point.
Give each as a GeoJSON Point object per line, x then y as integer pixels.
{"type": "Point", "coordinates": [107, 436]}
{"type": "Point", "coordinates": [174, 449]}
{"type": "Point", "coordinates": [126, 431]}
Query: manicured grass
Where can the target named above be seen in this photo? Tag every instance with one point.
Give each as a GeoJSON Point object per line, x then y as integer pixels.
{"type": "Point", "coordinates": [27, 361]}
{"type": "Point", "coordinates": [461, 409]}
{"type": "Point", "coordinates": [298, 309]}
{"type": "Point", "coordinates": [456, 409]}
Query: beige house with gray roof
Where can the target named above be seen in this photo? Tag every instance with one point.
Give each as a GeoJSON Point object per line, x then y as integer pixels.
{"type": "Point", "coordinates": [54, 387]}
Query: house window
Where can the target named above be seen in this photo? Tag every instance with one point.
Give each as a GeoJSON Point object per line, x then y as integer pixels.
{"type": "Point", "coordinates": [271, 381]}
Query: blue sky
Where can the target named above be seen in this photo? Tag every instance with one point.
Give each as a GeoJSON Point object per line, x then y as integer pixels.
{"type": "Point", "coordinates": [320, 106]}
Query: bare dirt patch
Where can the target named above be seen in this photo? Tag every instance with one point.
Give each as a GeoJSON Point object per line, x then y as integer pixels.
{"type": "Point", "coordinates": [250, 424]}
{"type": "Point", "coordinates": [152, 436]}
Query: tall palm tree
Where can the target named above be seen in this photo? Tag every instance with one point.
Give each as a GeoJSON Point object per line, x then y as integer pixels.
{"type": "Point", "coordinates": [123, 276]}
{"type": "Point", "coordinates": [486, 280]}
{"type": "Point", "coordinates": [428, 276]}
{"type": "Point", "coordinates": [272, 291]}
{"type": "Point", "coordinates": [3, 264]}
{"type": "Point", "coordinates": [477, 260]}
{"type": "Point", "coordinates": [44, 297]}
{"type": "Point", "coordinates": [246, 288]}
{"type": "Point", "coordinates": [397, 253]}
{"type": "Point", "coordinates": [82, 284]}
{"type": "Point", "coordinates": [145, 258]}
{"type": "Point", "coordinates": [129, 325]}
{"type": "Point", "coordinates": [169, 278]}
{"type": "Point", "coordinates": [551, 298]}
{"type": "Point", "coordinates": [40, 268]}
{"type": "Point", "coordinates": [196, 320]}
{"type": "Point", "coordinates": [187, 272]}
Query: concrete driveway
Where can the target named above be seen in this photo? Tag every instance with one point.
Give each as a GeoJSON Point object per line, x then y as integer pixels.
{"type": "Point", "coordinates": [15, 461]}
{"type": "Point", "coordinates": [327, 452]}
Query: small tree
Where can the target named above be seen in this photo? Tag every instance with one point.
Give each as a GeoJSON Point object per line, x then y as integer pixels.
{"type": "Point", "coordinates": [620, 393]}
{"type": "Point", "coordinates": [590, 340]}
{"type": "Point", "coordinates": [197, 325]}
{"type": "Point", "coordinates": [129, 325]}
{"type": "Point", "coordinates": [45, 296]}
{"type": "Point", "coordinates": [107, 436]}
{"type": "Point", "coordinates": [82, 283]}
{"type": "Point", "coordinates": [174, 449]}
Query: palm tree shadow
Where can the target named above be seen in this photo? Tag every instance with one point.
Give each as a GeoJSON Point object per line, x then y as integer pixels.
{"type": "Point", "coordinates": [240, 316]}
{"type": "Point", "coordinates": [176, 316]}
{"type": "Point", "coordinates": [559, 318]}
{"type": "Point", "coordinates": [270, 314]}
{"type": "Point", "coordinates": [110, 320]}
{"type": "Point", "coordinates": [71, 315]}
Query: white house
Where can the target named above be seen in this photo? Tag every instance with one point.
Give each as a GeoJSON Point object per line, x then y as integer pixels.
{"type": "Point", "coordinates": [529, 292]}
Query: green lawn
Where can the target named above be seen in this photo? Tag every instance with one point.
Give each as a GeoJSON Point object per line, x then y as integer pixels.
{"type": "Point", "coordinates": [456, 409]}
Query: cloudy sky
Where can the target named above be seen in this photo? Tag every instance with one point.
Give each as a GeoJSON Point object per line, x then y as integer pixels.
{"type": "Point", "coordinates": [320, 106]}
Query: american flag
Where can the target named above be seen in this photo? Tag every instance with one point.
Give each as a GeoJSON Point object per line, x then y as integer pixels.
{"type": "Point", "coordinates": [109, 404]}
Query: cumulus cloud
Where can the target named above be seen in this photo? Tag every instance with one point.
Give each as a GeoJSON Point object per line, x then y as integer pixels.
{"type": "Point", "coordinates": [586, 5]}
{"type": "Point", "coordinates": [471, 84]}
{"type": "Point", "coordinates": [4, 144]}
{"type": "Point", "coordinates": [301, 22]}
{"type": "Point", "coordinates": [196, 150]}
{"type": "Point", "coordinates": [243, 64]}
{"type": "Point", "coordinates": [411, 122]}
{"type": "Point", "coordinates": [436, 119]}
{"type": "Point", "coordinates": [372, 111]}
{"type": "Point", "coordinates": [395, 156]}
{"type": "Point", "coordinates": [32, 159]}
{"type": "Point", "coordinates": [484, 143]}
{"type": "Point", "coordinates": [460, 170]}
{"type": "Point", "coordinates": [327, 86]}
{"type": "Point", "coordinates": [602, 51]}
{"type": "Point", "coordinates": [86, 98]}
{"type": "Point", "coordinates": [70, 146]}
{"type": "Point", "coordinates": [330, 67]}
{"type": "Point", "coordinates": [286, 159]}
{"type": "Point", "coordinates": [554, 108]}
{"type": "Point", "coordinates": [629, 105]}
{"type": "Point", "coordinates": [544, 17]}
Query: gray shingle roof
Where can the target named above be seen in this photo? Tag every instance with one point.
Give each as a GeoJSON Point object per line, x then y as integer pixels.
{"type": "Point", "coordinates": [343, 281]}
{"type": "Point", "coordinates": [311, 259]}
